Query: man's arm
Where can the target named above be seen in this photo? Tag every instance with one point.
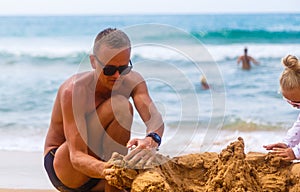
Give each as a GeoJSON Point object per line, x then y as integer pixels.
{"type": "Point", "coordinates": [149, 114]}
{"type": "Point", "coordinates": [239, 59]}
{"type": "Point", "coordinates": [76, 135]}
{"type": "Point", "coordinates": [147, 110]}
{"type": "Point", "coordinates": [253, 60]}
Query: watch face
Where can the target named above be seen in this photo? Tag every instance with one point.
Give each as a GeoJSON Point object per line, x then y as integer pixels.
{"type": "Point", "coordinates": [157, 137]}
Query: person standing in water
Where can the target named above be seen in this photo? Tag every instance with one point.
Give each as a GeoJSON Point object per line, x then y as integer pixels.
{"type": "Point", "coordinates": [204, 84]}
{"type": "Point", "coordinates": [246, 60]}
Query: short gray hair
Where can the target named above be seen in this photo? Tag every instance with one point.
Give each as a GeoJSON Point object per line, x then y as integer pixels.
{"type": "Point", "coordinates": [111, 37]}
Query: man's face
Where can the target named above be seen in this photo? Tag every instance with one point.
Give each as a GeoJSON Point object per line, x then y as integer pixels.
{"type": "Point", "coordinates": [107, 56]}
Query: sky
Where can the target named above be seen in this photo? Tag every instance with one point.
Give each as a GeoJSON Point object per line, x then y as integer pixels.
{"type": "Point", "coordinates": [113, 7]}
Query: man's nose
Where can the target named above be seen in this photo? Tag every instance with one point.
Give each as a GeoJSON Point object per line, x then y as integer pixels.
{"type": "Point", "coordinates": [116, 74]}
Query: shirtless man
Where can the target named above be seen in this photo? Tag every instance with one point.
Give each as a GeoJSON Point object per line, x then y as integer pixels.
{"type": "Point", "coordinates": [92, 118]}
{"type": "Point", "coordinates": [246, 59]}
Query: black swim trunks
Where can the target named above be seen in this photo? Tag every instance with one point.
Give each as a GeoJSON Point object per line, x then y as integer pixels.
{"type": "Point", "coordinates": [48, 164]}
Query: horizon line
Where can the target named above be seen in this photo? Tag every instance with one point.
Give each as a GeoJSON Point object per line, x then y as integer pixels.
{"type": "Point", "coordinates": [146, 14]}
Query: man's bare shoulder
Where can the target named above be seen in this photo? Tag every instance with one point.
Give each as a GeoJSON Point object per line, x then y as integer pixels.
{"type": "Point", "coordinates": [250, 58]}
{"type": "Point", "coordinates": [79, 79]}
{"type": "Point", "coordinates": [133, 79]}
{"type": "Point", "coordinates": [131, 83]}
{"type": "Point", "coordinates": [134, 76]}
{"type": "Point", "coordinates": [77, 83]}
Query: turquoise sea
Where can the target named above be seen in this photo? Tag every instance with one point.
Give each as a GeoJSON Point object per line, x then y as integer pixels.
{"type": "Point", "coordinates": [38, 53]}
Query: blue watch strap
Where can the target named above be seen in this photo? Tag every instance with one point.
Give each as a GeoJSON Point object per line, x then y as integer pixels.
{"type": "Point", "coordinates": [155, 137]}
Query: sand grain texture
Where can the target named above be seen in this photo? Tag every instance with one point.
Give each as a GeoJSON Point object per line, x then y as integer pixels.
{"type": "Point", "coordinates": [230, 171]}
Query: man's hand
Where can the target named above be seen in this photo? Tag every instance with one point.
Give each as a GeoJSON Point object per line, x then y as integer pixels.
{"type": "Point", "coordinates": [142, 153]}
{"type": "Point", "coordinates": [107, 170]}
{"type": "Point", "coordinates": [140, 158]}
{"type": "Point", "coordinates": [287, 154]}
{"type": "Point", "coordinates": [275, 145]}
{"type": "Point", "coordinates": [117, 174]}
{"type": "Point", "coordinates": [146, 143]}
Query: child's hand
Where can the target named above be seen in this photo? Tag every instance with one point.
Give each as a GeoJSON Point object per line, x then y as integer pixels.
{"type": "Point", "coordinates": [275, 145]}
{"type": "Point", "coordinates": [287, 154]}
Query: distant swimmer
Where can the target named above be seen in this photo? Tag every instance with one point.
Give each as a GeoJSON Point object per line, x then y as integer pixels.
{"type": "Point", "coordinates": [204, 83]}
{"type": "Point", "coordinates": [246, 59]}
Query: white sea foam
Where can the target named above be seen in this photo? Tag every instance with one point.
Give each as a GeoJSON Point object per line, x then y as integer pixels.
{"type": "Point", "coordinates": [45, 46]}
{"type": "Point", "coordinates": [66, 46]}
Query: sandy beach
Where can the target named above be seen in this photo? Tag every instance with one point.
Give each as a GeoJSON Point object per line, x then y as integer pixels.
{"type": "Point", "coordinates": [23, 171]}
{"type": "Point", "coordinates": [231, 169]}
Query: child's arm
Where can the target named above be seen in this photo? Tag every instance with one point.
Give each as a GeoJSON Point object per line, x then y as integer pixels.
{"type": "Point", "coordinates": [296, 150]}
{"type": "Point", "coordinates": [292, 137]}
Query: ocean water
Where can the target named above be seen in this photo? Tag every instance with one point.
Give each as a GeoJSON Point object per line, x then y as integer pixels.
{"type": "Point", "coordinates": [172, 52]}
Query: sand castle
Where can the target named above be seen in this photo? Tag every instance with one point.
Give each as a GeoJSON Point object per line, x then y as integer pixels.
{"type": "Point", "coordinates": [230, 171]}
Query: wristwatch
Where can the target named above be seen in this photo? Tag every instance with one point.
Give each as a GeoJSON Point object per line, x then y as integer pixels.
{"type": "Point", "coordinates": [155, 137]}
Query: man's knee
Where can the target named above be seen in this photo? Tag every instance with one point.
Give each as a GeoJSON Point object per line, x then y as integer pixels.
{"type": "Point", "coordinates": [117, 108]}
{"type": "Point", "coordinates": [64, 169]}
{"type": "Point", "coordinates": [121, 105]}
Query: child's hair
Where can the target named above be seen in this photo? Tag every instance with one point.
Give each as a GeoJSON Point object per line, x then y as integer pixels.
{"type": "Point", "coordinates": [290, 77]}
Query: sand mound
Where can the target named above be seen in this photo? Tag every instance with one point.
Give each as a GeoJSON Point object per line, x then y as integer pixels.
{"type": "Point", "coordinates": [231, 170]}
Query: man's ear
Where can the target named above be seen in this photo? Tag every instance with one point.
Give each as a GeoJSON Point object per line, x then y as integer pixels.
{"type": "Point", "coordinates": [93, 61]}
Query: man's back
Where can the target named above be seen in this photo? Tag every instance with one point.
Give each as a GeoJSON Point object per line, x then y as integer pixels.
{"type": "Point", "coordinates": [246, 60]}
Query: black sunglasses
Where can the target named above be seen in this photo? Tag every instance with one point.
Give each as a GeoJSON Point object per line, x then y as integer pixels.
{"type": "Point", "coordinates": [110, 70]}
